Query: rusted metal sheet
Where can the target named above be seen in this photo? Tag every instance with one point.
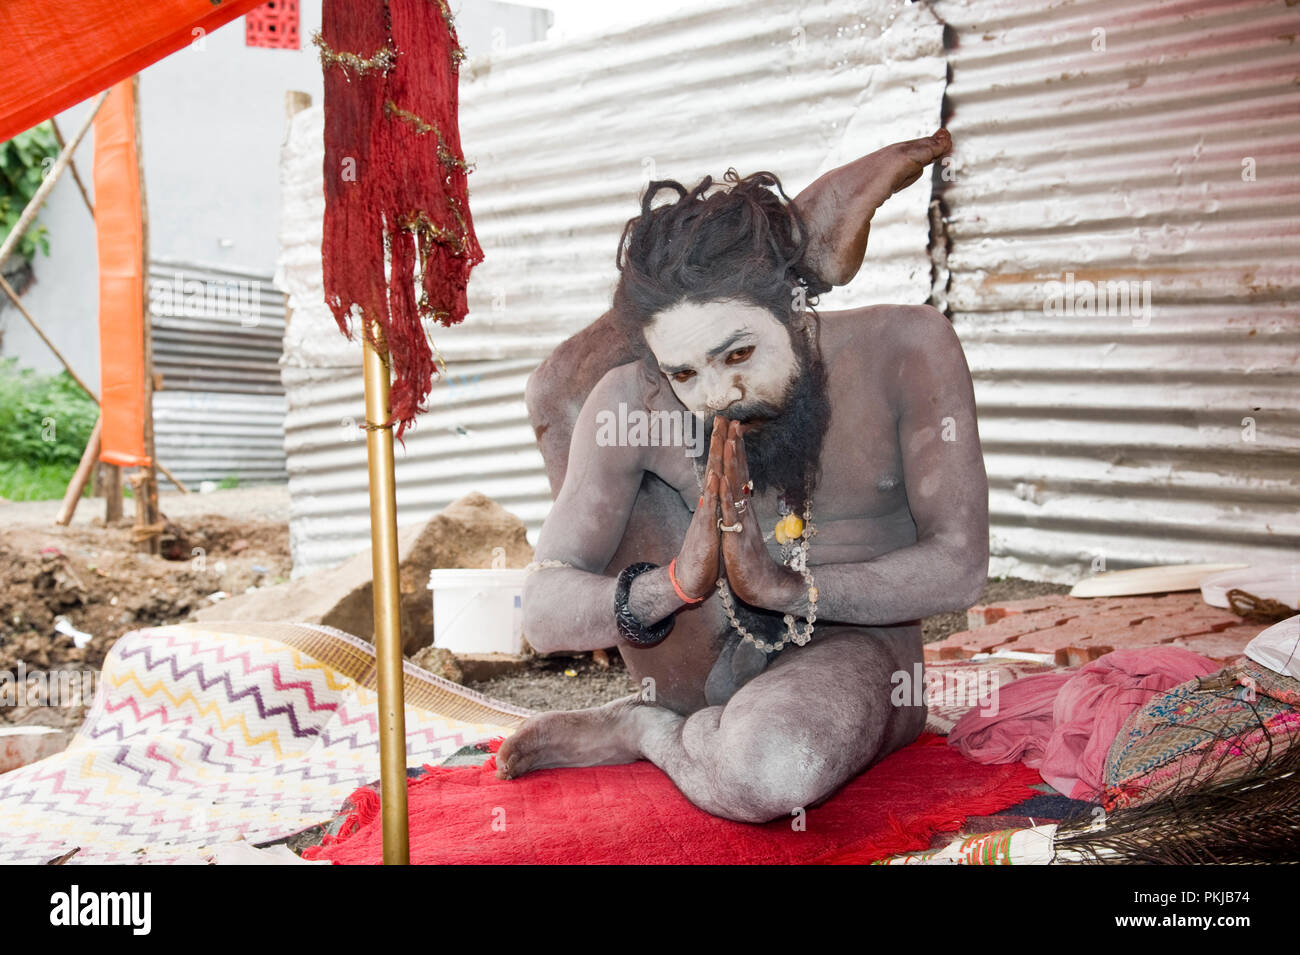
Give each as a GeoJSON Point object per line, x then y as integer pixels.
{"type": "Point", "coordinates": [1123, 219]}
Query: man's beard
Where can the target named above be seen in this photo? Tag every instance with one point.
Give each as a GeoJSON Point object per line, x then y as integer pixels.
{"type": "Point", "coordinates": [785, 449]}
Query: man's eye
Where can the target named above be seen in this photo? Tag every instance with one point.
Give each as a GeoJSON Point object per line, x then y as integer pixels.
{"type": "Point", "coordinates": [740, 354]}
{"type": "Point", "coordinates": [683, 376]}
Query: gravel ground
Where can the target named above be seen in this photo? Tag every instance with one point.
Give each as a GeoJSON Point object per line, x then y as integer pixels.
{"type": "Point", "coordinates": [571, 683]}
{"type": "Point", "coordinates": [259, 502]}
{"type": "Point", "coordinates": [562, 683]}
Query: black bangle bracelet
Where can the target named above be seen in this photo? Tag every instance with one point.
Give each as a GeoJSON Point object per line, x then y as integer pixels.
{"type": "Point", "coordinates": [628, 626]}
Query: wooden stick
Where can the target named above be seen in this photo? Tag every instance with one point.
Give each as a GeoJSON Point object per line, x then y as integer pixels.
{"type": "Point", "coordinates": [72, 167]}
{"type": "Point", "coordinates": [13, 297]}
{"type": "Point", "coordinates": [180, 486]}
{"type": "Point", "coordinates": [147, 510]}
{"type": "Point", "coordinates": [78, 482]}
{"type": "Point", "coordinates": [139, 480]}
{"type": "Point", "coordinates": [112, 494]}
{"type": "Point", "coordinates": [33, 207]}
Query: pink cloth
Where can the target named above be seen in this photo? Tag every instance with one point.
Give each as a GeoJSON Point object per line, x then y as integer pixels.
{"type": "Point", "coordinates": [1064, 723]}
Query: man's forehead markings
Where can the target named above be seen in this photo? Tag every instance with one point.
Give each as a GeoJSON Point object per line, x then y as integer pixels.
{"type": "Point", "coordinates": [732, 339]}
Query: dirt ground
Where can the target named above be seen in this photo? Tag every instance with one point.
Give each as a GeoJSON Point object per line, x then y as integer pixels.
{"type": "Point", "coordinates": [225, 542]}
{"type": "Point", "coordinates": [92, 577]}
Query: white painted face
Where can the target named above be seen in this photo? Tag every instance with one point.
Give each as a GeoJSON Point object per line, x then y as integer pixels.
{"type": "Point", "coordinates": [720, 354]}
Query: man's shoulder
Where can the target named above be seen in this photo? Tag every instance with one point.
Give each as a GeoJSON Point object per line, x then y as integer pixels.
{"type": "Point", "coordinates": [635, 382]}
{"type": "Point", "coordinates": [617, 393]}
{"type": "Point", "coordinates": [620, 383]}
{"type": "Point", "coordinates": [887, 332]}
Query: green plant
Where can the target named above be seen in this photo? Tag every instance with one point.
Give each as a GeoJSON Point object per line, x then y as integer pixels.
{"type": "Point", "coordinates": [24, 161]}
{"type": "Point", "coordinates": [45, 422]}
{"type": "Point", "coordinates": [44, 419]}
{"type": "Point", "coordinates": [229, 481]}
{"type": "Point", "coordinates": [21, 481]}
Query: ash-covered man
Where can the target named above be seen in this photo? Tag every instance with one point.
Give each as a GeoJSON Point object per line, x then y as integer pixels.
{"type": "Point", "coordinates": [767, 593]}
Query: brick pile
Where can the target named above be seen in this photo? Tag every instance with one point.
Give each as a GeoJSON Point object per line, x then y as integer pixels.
{"type": "Point", "coordinates": [1076, 630]}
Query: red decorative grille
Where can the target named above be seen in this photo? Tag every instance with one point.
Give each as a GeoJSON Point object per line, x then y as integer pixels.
{"type": "Point", "coordinates": [273, 25]}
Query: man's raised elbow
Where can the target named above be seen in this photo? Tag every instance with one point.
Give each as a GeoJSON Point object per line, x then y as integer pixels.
{"type": "Point", "coordinates": [973, 581]}
{"type": "Point", "coordinates": [534, 630]}
{"type": "Point", "coordinates": [964, 571]}
{"type": "Point", "coordinates": [971, 595]}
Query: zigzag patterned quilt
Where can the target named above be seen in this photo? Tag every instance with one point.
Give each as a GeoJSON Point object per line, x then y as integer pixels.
{"type": "Point", "coordinates": [203, 734]}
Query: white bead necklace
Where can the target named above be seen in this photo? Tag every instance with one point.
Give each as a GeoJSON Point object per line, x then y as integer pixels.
{"type": "Point", "coordinates": [794, 553]}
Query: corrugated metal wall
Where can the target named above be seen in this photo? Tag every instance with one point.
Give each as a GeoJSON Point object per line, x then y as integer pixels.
{"type": "Point", "coordinates": [475, 437]}
{"type": "Point", "coordinates": [1134, 142]}
{"type": "Point", "coordinates": [565, 136]}
{"type": "Point", "coordinates": [1096, 142]}
{"type": "Point", "coordinates": [217, 340]}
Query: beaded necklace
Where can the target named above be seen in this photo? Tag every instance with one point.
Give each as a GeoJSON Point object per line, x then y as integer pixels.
{"type": "Point", "coordinates": [794, 535]}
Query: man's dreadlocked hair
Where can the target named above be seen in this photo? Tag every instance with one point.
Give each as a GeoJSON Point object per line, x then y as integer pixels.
{"type": "Point", "coordinates": [739, 243]}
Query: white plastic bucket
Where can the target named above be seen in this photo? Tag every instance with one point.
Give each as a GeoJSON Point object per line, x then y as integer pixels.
{"type": "Point", "coordinates": [478, 610]}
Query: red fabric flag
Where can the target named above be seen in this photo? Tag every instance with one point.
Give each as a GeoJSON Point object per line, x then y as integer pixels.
{"type": "Point", "coordinates": [395, 180]}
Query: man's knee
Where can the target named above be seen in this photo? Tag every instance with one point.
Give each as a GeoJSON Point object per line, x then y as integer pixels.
{"type": "Point", "coordinates": [773, 778]}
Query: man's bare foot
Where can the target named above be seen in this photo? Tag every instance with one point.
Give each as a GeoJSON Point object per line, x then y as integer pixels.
{"type": "Point", "coordinates": [838, 206]}
{"type": "Point", "coordinates": [600, 736]}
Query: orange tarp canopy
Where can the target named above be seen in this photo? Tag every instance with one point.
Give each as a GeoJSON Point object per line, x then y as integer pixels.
{"type": "Point", "coordinates": [54, 55]}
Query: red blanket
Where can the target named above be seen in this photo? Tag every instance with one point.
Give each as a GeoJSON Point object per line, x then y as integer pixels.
{"type": "Point", "coordinates": [634, 814]}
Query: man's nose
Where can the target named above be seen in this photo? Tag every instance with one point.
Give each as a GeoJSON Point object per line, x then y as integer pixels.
{"type": "Point", "coordinates": [721, 395]}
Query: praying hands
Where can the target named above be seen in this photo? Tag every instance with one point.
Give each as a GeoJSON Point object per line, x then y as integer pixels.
{"type": "Point", "coordinates": [752, 574]}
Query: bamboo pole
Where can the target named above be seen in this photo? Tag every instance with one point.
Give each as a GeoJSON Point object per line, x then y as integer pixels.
{"type": "Point", "coordinates": [112, 494]}
{"type": "Point", "coordinates": [13, 297]}
{"type": "Point", "coordinates": [388, 621]}
{"type": "Point", "coordinates": [72, 167]}
{"type": "Point", "coordinates": [42, 193]}
{"type": "Point", "coordinates": [78, 482]}
{"type": "Point", "coordinates": [146, 508]}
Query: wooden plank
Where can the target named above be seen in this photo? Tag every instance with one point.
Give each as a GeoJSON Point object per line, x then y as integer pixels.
{"type": "Point", "coordinates": [1159, 579]}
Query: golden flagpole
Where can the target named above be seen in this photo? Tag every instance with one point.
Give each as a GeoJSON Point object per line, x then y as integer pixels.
{"type": "Point", "coordinates": [388, 621]}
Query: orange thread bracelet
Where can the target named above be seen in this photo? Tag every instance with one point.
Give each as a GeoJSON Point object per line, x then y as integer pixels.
{"type": "Point", "coordinates": [672, 577]}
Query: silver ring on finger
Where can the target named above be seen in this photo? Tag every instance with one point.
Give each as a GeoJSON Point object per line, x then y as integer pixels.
{"type": "Point", "coordinates": [735, 528]}
{"type": "Point", "coordinates": [740, 505]}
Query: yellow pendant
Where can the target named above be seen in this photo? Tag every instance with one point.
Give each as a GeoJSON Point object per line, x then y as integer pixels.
{"type": "Point", "coordinates": [788, 528]}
